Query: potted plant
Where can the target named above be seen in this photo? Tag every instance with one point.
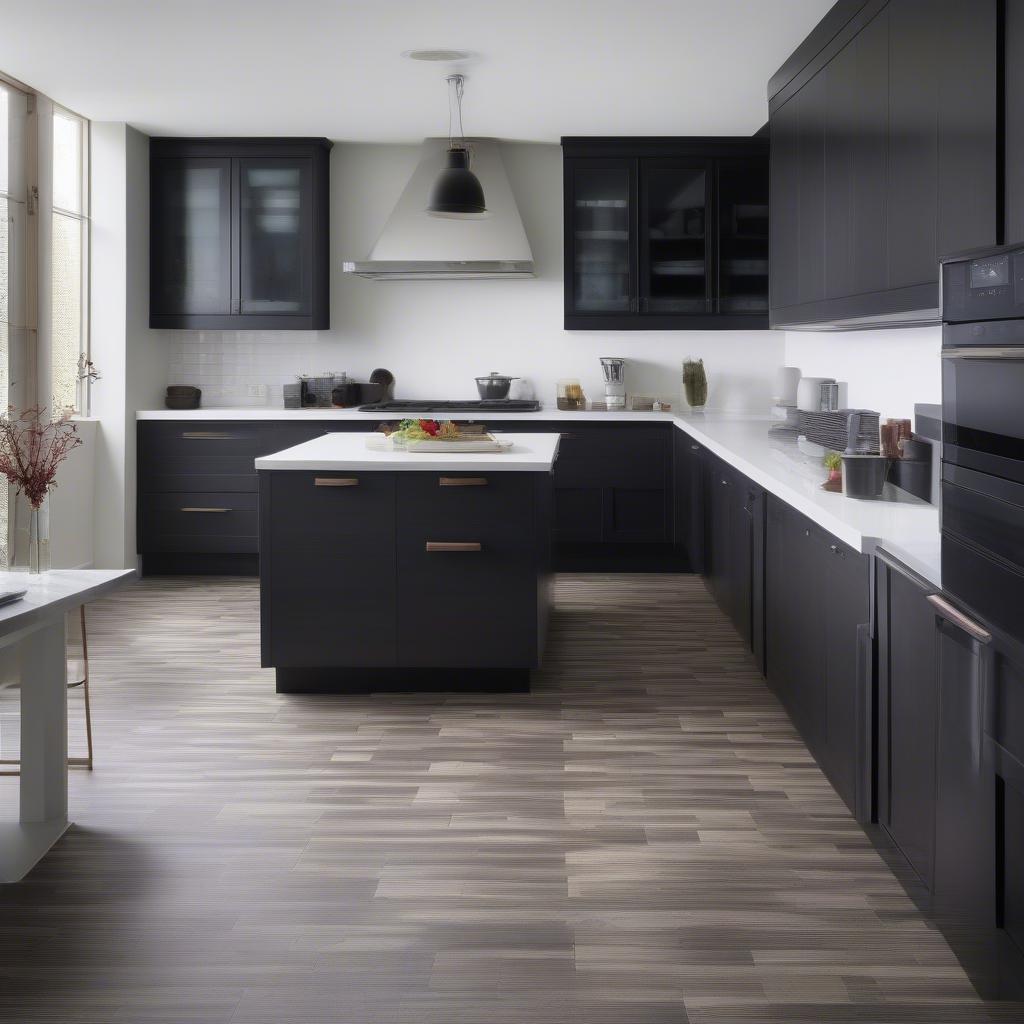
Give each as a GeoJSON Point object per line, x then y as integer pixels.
{"type": "Point", "coordinates": [31, 451]}
{"type": "Point", "coordinates": [834, 464]}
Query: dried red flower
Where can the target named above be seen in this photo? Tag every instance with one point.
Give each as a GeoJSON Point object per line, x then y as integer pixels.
{"type": "Point", "coordinates": [32, 449]}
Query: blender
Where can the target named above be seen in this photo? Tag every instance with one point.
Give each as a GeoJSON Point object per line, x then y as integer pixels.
{"type": "Point", "coordinates": [614, 370]}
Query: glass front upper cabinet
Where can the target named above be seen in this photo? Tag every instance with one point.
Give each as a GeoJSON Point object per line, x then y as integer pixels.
{"type": "Point", "coordinates": [274, 223]}
{"type": "Point", "coordinates": [239, 234]}
{"type": "Point", "coordinates": [674, 228]}
{"type": "Point", "coordinates": [666, 234]}
{"type": "Point", "coordinates": [601, 226]}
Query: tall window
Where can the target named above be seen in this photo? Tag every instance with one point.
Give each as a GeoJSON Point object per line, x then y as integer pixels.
{"type": "Point", "coordinates": [16, 315]}
{"type": "Point", "coordinates": [69, 261]}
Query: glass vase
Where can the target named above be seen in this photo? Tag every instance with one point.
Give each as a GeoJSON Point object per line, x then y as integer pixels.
{"type": "Point", "coordinates": [39, 538]}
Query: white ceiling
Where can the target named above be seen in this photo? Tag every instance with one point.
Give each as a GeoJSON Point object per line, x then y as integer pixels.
{"type": "Point", "coordinates": [333, 67]}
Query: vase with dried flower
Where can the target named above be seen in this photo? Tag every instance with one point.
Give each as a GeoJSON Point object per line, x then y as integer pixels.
{"type": "Point", "coordinates": [695, 384]}
{"type": "Point", "coordinates": [834, 464]}
{"type": "Point", "coordinates": [32, 447]}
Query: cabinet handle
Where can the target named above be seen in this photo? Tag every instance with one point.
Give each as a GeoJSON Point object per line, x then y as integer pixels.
{"type": "Point", "coordinates": [453, 545]}
{"type": "Point", "coordinates": [336, 481]}
{"type": "Point", "coordinates": [209, 435]}
{"type": "Point", "coordinates": [694, 447]}
{"type": "Point", "coordinates": [198, 508]}
{"type": "Point", "coordinates": [462, 481]}
{"type": "Point", "coordinates": [837, 550]}
{"type": "Point", "coordinates": [969, 626]}
{"type": "Point", "coordinates": [725, 483]}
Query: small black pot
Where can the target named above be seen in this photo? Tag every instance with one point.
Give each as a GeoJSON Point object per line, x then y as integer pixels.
{"type": "Point", "coordinates": [494, 386]}
{"type": "Point", "coordinates": [864, 476]}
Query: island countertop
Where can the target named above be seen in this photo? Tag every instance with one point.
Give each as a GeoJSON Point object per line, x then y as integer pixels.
{"type": "Point", "coordinates": [530, 453]}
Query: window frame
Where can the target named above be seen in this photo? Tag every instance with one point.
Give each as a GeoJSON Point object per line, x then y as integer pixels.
{"type": "Point", "coordinates": [83, 391]}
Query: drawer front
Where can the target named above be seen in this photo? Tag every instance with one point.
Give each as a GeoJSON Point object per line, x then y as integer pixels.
{"type": "Point", "coordinates": [465, 500]}
{"type": "Point", "coordinates": [464, 568]}
{"type": "Point", "coordinates": [218, 522]}
{"type": "Point", "coordinates": [327, 566]}
{"type": "Point", "coordinates": [215, 456]}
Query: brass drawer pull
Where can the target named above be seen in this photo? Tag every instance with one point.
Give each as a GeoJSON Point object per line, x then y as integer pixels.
{"type": "Point", "coordinates": [453, 545]}
{"type": "Point", "coordinates": [209, 435]}
{"type": "Point", "coordinates": [336, 481]}
{"type": "Point", "coordinates": [462, 481]}
{"type": "Point", "coordinates": [199, 508]}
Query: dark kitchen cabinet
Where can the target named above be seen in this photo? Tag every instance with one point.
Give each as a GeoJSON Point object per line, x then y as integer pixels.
{"type": "Point", "coordinates": [688, 473]}
{"type": "Point", "coordinates": [328, 567]}
{"type": "Point", "coordinates": [907, 714]}
{"type": "Point", "coordinates": [884, 133]}
{"type": "Point", "coordinates": [447, 600]}
{"type": "Point", "coordinates": [239, 234]}
{"type": "Point", "coordinates": [734, 536]}
{"type": "Point", "coordinates": [665, 233]}
{"type": "Point", "coordinates": [613, 493]}
{"type": "Point", "coordinates": [964, 896]}
{"type": "Point", "coordinates": [382, 578]}
{"type": "Point", "coordinates": [1013, 168]}
{"type": "Point", "coordinates": [196, 506]}
{"type": "Point", "coordinates": [817, 640]}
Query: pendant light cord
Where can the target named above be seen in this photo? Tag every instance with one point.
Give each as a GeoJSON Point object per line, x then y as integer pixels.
{"type": "Point", "coordinates": [455, 87]}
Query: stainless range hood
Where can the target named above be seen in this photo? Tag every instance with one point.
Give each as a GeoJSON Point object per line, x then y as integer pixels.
{"type": "Point", "coordinates": [416, 246]}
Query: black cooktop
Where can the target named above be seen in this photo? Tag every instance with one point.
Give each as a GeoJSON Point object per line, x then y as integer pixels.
{"type": "Point", "coordinates": [467, 405]}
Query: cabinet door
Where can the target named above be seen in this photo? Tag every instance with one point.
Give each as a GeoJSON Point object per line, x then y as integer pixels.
{"type": "Point", "coordinates": [941, 194]}
{"type": "Point", "coordinates": [810, 578]}
{"type": "Point", "coordinates": [689, 499]}
{"type": "Point", "coordinates": [466, 555]}
{"type": "Point", "coordinates": [965, 824]}
{"type": "Point", "coordinates": [676, 223]}
{"type": "Point", "coordinates": [1013, 62]}
{"type": "Point", "coordinates": [275, 227]}
{"type": "Point", "coordinates": [720, 527]}
{"type": "Point", "coordinates": [742, 236]}
{"type": "Point", "coordinates": [784, 267]}
{"type": "Point", "coordinates": [847, 609]}
{"type": "Point", "coordinates": [327, 569]}
{"type": "Point", "coordinates": [811, 102]}
{"type": "Point", "coordinates": [907, 717]}
{"type": "Point", "coordinates": [190, 247]}
{"type": "Point", "coordinates": [780, 606]}
{"type": "Point", "coordinates": [600, 236]}
{"type": "Point", "coordinates": [856, 147]}
{"type": "Point", "coordinates": [742, 557]}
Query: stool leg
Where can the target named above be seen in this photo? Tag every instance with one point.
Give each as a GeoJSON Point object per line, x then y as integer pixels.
{"type": "Point", "coordinates": [85, 691]}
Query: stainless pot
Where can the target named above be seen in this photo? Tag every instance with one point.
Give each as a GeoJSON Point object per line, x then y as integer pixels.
{"type": "Point", "coordinates": [494, 385]}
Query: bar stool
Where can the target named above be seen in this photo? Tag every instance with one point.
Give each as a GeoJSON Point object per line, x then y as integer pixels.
{"type": "Point", "coordinates": [74, 762]}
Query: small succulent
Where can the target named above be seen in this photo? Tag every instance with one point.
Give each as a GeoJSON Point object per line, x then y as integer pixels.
{"type": "Point", "coordinates": [833, 461]}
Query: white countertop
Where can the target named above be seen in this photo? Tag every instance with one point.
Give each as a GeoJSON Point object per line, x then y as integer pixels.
{"type": "Point", "coordinates": [910, 532]}
{"type": "Point", "coordinates": [267, 413]}
{"type": "Point", "coordinates": [531, 453]}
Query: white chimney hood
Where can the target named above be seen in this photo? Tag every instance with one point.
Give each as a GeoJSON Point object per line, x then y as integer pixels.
{"type": "Point", "coordinates": [417, 246]}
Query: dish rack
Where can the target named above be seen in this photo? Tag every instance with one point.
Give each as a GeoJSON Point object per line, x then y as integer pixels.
{"type": "Point", "coordinates": [832, 430]}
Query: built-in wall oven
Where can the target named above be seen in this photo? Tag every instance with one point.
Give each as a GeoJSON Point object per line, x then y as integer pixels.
{"type": "Point", "coordinates": [983, 434]}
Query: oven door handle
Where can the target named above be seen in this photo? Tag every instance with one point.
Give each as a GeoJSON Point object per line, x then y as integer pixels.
{"type": "Point", "coordinates": [984, 353]}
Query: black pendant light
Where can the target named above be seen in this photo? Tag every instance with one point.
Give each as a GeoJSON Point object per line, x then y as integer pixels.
{"type": "Point", "coordinates": [457, 191]}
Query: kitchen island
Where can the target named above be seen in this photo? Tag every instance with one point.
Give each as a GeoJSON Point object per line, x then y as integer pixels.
{"type": "Point", "coordinates": [392, 570]}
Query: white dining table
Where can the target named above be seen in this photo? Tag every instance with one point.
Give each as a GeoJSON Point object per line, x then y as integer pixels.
{"type": "Point", "coordinates": [34, 631]}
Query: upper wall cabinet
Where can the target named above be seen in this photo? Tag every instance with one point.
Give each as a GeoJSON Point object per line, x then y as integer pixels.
{"type": "Point", "coordinates": [666, 234]}
{"type": "Point", "coordinates": [884, 128]}
{"type": "Point", "coordinates": [239, 234]}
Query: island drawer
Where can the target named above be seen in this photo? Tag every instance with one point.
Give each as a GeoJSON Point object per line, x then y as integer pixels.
{"type": "Point", "coordinates": [221, 522]}
{"type": "Point", "coordinates": [454, 501]}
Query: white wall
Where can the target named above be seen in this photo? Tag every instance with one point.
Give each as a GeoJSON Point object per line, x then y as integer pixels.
{"type": "Point", "coordinates": [888, 371]}
{"type": "Point", "coordinates": [130, 357]}
{"type": "Point", "coordinates": [436, 336]}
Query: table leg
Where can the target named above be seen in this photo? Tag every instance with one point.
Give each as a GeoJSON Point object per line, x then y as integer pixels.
{"type": "Point", "coordinates": [44, 752]}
